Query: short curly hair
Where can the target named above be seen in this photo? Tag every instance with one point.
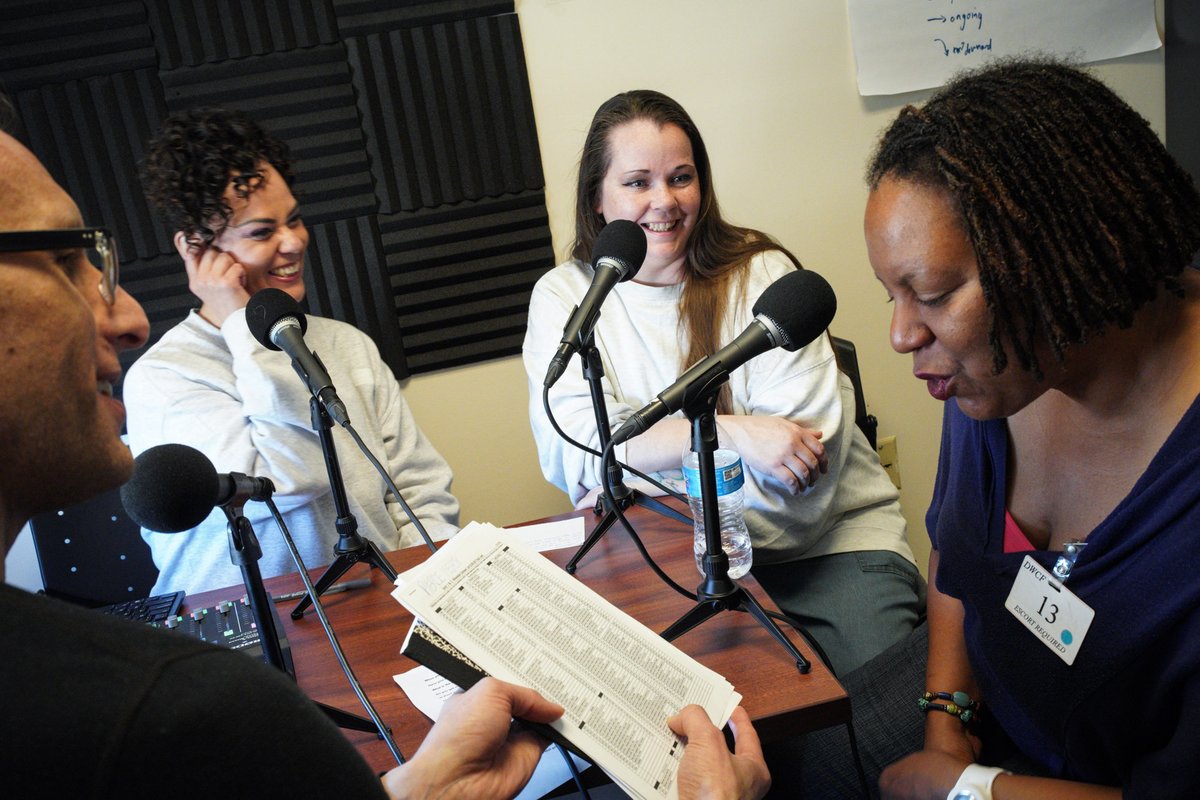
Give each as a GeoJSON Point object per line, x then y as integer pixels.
{"type": "Point", "coordinates": [1076, 212]}
{"type": "Point", "coordinates": [194, 157]}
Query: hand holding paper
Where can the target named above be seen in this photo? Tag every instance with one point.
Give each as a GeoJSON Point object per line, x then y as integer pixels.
{"type": "Point", "coordinates": [520, 618]}
{"type": "Point", "coordinates": [472, 752]}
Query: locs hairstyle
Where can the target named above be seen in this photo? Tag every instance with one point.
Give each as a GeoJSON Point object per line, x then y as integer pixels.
{"type": "Point", "coordinates": [196, 155]}
{"type": "Point", "coordinates": [1076, 211]}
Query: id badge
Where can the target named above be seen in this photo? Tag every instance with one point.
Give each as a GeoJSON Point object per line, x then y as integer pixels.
{"type": "Point", "coordinates": [1049, 610]}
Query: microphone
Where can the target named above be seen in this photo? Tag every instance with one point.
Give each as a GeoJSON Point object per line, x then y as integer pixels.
{"type": "Point", "coordinates": [276, 321]}
{"type": "Point", "coordinates": [618, 255]}
{"type": "Point", "coordinates": [792, 312]}
{"type": "Point", "coordinates": [174, 487]}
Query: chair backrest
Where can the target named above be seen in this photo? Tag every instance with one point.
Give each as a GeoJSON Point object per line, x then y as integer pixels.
{"type": "Point", "coordinates": [847, 357]}
{"type": "Point", "coordinates": [92, 553]}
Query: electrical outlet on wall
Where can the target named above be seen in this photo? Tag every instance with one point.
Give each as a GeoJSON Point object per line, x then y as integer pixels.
{"type": "Point", "coordinates": [890, 458]}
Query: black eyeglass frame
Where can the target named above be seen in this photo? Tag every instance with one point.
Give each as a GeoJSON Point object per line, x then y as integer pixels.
{"type": "Point", "coordinates": [99, 239]}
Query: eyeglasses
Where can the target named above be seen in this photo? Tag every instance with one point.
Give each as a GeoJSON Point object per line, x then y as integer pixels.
{"type": "Point", "coordinates": [99, 242]}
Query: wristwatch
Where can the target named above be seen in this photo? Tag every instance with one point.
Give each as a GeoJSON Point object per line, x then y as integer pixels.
{"type": "Point", "coordinates": [975, 783]}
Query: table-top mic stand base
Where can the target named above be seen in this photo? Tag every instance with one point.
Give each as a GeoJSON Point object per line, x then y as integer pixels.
{"type": "Point", "coordinates": [717, 592]}
{"type": "Point", "coordinates": [350, 550]}
{"type": "Point", "coordinates": [593, 372]}
{"type": "Point", "coordinates": [626, 497]}
{"type": "Point", "coordinates": [735, 599]}
{"type": "Point", "coordinates": [344, 719]}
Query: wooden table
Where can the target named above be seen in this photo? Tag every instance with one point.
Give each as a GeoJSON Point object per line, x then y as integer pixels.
{"type": "Point", "coordinates": [371, 626]}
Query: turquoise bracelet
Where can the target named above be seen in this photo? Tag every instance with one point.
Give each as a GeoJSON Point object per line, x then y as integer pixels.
{"type": "Point", "coordinates": [961, 705]}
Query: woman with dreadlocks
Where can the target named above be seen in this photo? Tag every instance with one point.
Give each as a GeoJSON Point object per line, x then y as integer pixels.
{"type": "Point", "coordinates": [1037, 243]}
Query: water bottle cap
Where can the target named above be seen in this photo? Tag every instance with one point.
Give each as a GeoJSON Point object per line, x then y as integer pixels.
{"type": "Point", "coordinates": [730, 477]}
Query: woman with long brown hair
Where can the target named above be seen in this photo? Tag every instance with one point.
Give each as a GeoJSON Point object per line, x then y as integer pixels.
{"type": "Point", "coordinates": [828, 537]}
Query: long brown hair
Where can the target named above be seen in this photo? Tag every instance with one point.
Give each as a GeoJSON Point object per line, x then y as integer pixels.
{"type": "Point", "coordinates": [717, 251]}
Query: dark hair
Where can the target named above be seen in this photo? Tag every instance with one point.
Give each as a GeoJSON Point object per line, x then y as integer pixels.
{"type": "Point", "coordinates": [193, 158]}
{"type": "Point", "coordinates": [1075, 209]}
{"type": "Point", "coordinates": [716, 250]}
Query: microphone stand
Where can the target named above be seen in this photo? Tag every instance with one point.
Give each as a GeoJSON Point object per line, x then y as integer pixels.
{"type": "Point", "coordinates": [717, 591]}
{"type": "Point", "coordinates": [245, 552]}
{"type": "Point", "coordinates": [351, 548]}
{"type": "Point", "coordinates": [593, 372]}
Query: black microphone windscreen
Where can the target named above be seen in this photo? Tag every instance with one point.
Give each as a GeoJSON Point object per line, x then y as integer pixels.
{"type": "Point", "coordinates": [622, 241]}
{"type": "Point", "coordinates": [801, 304]}
{"type": "Point", "coordinates": [173, 488]}
{"type": "Point", "coordinates": [266, 308]}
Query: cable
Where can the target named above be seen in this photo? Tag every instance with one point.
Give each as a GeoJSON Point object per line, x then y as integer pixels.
{"type": "Point", "coordinates": [384, 733]}
{"type": "Point", "coordinates": [392, 486]}
{"type": "Point", "coordinates": [579, 445]}
{"type": "Point", "coordinates": [574, 772]}
{"type": "Point", "coordinates": [616, 507]}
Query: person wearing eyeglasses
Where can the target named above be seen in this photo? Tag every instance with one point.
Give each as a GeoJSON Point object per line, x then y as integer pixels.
{"type": "Point", "coordinates": [97, 243]}
{"type": "Point", "coordinates": [224, 185]}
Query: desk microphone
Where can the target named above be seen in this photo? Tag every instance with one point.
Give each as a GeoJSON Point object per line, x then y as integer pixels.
{"type": "Point", "coordinates": [618, 255]}
{"type": "Point", "coordinates": [276, 321]}
{"type": "Point", "coordinates": [790, 313]}
{"type": "Point", "coordinates": [174, 487]}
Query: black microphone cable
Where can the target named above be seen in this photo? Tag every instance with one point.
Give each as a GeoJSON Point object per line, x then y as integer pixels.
{"type": "Point", "coordinates": [616, 507]}
{"type": "Point", "coordinates": [384, 732]}
{"type": "Point", "coordinates": [667, 490]}
{"type": "Point", "coordinates": [608, 493]}
{"type": "Point", "coordinates": [391, 486]}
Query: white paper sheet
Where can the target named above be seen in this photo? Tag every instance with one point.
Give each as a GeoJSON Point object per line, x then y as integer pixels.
{"type": "Point", "coordinates": [524, 620]}
{"type": "Point", "coordinates": [551, 535]}
{"type": "Point", "coordinates": [906, 45]}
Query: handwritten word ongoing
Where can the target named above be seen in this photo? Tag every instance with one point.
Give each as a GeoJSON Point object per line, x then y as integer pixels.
{"type": "Point", "coordinates": [961, 19]}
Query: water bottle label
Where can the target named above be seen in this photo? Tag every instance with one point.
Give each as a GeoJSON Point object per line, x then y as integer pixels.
{"type": "Point", "coordinates": [730, 479]}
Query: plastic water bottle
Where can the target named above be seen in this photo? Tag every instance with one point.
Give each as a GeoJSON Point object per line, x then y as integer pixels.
{"type": "Point", "coordinates": [735, 539]}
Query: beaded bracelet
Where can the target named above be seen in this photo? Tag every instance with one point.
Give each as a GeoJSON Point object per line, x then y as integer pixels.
{"type": "Point", "coordinates": [961, 705]}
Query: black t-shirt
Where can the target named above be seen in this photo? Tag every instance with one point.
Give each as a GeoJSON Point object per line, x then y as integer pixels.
{"type": "Point", "coordinates": [95, 706]}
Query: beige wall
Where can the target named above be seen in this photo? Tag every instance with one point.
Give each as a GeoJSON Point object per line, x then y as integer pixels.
{"type": "Point", "coordinates": [771, 85]}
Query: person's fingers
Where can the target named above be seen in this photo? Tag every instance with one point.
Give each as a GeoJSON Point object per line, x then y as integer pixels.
{"type": "Point", "coordinates": [691, 722]}
{"type": "Point", "coordinates": [745, 738]}
{"type": "Point", "coordinates": [527, 703]}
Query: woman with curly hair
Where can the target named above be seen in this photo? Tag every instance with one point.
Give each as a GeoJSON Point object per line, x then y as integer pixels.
{"type": "Point", "coordinates": [225, 186]}
{"type": "Point", "coordinates": [1038, 245]}
{"type": "Point", "coordinates": [824, 519]}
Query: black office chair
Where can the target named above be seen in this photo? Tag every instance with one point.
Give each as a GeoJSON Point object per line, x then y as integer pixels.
{"type": "Point", "coordinates": [847, 357]}
{"type": "Point", "coordinates": [92, 554]}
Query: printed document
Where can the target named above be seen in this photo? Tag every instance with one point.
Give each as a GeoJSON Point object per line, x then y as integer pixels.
{"type": "Point", "coordinates": [524, 620]}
